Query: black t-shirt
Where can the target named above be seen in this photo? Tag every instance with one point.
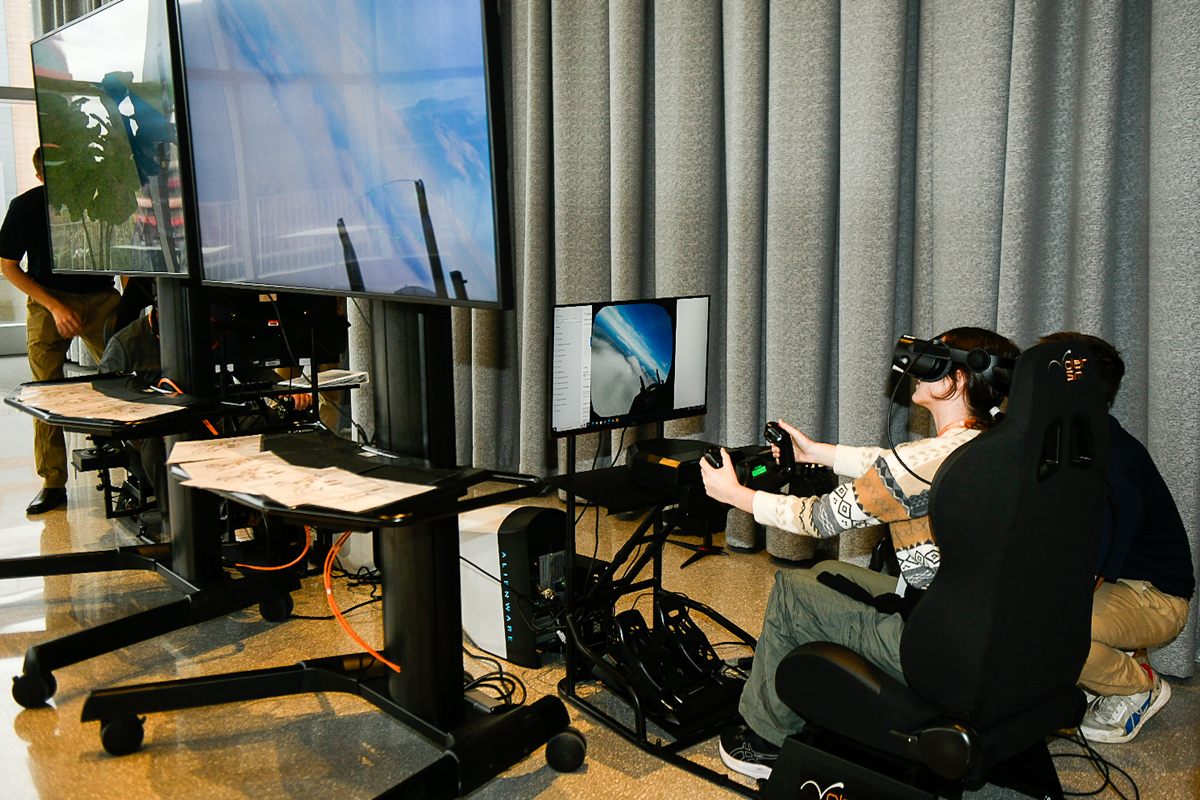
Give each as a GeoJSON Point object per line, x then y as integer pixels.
{"type": "Point", "coordinates": [1150, 543]}
{"type": "Point", "coordinates": [26, 230]}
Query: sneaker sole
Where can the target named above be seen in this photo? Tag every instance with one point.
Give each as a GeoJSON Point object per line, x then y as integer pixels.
{"type": "Point", "coordinates": [756, 771]}
{"type": "Point", "coordinates": [1112, 737]}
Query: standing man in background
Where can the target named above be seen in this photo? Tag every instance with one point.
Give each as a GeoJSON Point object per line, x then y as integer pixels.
{"type": "Point", "coordinates": [59, 308]}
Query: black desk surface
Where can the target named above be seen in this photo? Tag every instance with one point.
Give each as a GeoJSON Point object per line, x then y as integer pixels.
{"type": "Point", "coordinates": [610, 488]}
{"type": "Point", "coordinates": [123, 387]}
{"type": "Point", "coordinates": [238, 401]}
{"type": "Point", "coordinates": [318, 447]}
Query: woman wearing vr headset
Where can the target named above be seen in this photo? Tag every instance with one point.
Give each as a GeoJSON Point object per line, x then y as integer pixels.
{"type": "Point", "coordinates": [888, 486]}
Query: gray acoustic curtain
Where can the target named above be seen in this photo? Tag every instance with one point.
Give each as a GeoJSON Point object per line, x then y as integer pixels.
{"type": "Point", "coordinates": [836, 174]}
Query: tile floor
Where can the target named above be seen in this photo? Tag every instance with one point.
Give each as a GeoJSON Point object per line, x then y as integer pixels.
{"type": "Point", "coordinates": [330, 745]}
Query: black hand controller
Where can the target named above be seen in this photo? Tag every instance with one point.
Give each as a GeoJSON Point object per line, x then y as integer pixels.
{"type": "Point", "coordinates": [777, 436]}
{"type": "Point", "coordinates": [713, 456]}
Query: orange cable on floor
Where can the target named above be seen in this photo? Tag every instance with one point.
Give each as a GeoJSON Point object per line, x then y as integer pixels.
{"type": "Point", "coordinates": [337, 612]}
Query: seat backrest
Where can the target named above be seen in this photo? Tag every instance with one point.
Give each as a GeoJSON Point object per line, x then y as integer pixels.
{"type": "Point", "coordinates": [1017, 514]}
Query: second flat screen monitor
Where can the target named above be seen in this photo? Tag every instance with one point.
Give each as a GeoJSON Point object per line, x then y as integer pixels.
{"type": "Point", "coordinates": [343, 146]}
{"type": "Point", "coordinates": [628, 363]}
{"type": "Point", "coordinates": [107, 121]}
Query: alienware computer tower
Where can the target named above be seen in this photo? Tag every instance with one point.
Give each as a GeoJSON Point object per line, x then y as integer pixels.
{"type": "Point", "coordinates": [513, 583]}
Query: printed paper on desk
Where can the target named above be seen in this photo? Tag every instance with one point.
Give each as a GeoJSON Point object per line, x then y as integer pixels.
{"type": "Point", "coordinates": [82, 401]}
{"type": "Point", "coordinates": [329, 379]}
{"type": "Point", "coordinates": [337, 488]}
{"type": "Point", "coordinates": [222, 473]}
{"type": "Point", "coordinates": [211, 449]}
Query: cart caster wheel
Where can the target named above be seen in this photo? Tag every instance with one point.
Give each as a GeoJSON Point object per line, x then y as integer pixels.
{"type": "Point", "coordinates": [123, 735]}
{"type": "Point", "coordinates": [276, 609]}
{"type": "Point", "coordinates": [566, 750]}
{"type": "Point", "coordinates": [32, 691]}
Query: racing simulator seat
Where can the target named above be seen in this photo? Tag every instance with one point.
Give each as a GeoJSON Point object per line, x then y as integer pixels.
{"type": "Point", "coordinates": [992, 651]}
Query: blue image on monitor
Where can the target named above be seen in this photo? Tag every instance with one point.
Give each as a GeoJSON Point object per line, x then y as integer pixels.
{"type": "Point", "coordinates": [342, 146]}
{"type": "Point", "coordinates": [632, 347]}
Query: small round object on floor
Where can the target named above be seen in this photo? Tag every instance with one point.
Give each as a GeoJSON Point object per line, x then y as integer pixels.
{"type": "Point", "coordinates": [122, 735]}
{"type": "Point", "coordinates": [566, 750]}
{"type": "Point", "coordinates": [32, 691]}
{"type": "Point", "coordinates": [276, 609]}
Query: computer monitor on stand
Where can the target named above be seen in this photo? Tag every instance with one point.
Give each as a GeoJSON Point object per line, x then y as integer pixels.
{"type": "Point", "coordinates": [620, 364]}
{"type": "Point", "coordinates": [638, 362]}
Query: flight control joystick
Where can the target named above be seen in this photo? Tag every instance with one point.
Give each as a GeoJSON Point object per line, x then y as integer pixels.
{"type": "Point", "coordinates": [713, 456]}
{"type": "Point", "coordinates": [774, 433]}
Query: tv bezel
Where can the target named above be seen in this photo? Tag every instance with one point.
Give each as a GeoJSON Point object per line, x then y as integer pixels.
{"type": "Point", "coordinates": [628, 420]}
{"type": "Point", "coordinates": [498, 149]}
{"type": "Point", "coordinates": [184, 145]}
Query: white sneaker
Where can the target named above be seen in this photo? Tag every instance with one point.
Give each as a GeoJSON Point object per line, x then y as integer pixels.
{"type": "Point", "coordinates": [746, 752]}
{"type": "Point", "coordinates": [1119, 717]}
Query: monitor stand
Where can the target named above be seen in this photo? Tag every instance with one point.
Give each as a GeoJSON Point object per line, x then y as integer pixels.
{"type": "Point", "coordinates": [422, 621]}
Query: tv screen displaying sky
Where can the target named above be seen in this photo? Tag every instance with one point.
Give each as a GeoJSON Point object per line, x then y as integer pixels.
{"type": "Point", "coordinates": [342, 146]}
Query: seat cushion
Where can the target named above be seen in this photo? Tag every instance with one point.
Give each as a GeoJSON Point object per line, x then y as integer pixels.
{"type": "Point", "coordinates": [838, 689]}
{"type": "Point", "coordinates": [835, 688]}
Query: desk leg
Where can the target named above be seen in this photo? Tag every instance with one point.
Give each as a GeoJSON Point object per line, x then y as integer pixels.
{"type": "Point", "coordinates": [422, 619]}
{"type": "Point", "coordinates": [195, 534]}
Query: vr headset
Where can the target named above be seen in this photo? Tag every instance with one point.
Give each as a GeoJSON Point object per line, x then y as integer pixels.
{"type": "Point", "coordinates": [931, 360]}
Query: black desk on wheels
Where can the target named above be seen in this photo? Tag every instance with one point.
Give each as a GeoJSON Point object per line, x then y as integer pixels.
{"type": "Point", "coordinates": [191, 564]}
{"type": "Point", "coordinates": [422, 622]}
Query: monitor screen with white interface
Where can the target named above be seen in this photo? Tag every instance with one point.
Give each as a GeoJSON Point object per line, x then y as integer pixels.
{"type": "Point", "coordinates": [628, 363]}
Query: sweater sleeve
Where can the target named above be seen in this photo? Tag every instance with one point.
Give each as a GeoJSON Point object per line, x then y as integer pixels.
{"type": "Point", "coordinates": [853, 462]}
{"type": "Point", "coordinates": [863, 502]}
{"type": "Point", "coordinates": [885, 492]}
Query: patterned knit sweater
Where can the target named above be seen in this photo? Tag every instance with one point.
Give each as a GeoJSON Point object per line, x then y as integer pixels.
{"type": "Point", "coordinates": [882, 491]}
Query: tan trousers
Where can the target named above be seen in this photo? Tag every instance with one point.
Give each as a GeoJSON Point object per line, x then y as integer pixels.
{"type": "Point", "coordinates": [47, 355]}
{"type": "Point", "coordinates": [1128, 615]}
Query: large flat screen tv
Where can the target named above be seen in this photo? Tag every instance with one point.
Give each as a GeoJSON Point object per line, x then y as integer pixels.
{"type": "Point", "coordinates": [107, 121]}
{"type": "Point", "coordinates": [628, 363]}
{"type": "Point", "coordinates": [351, 147]}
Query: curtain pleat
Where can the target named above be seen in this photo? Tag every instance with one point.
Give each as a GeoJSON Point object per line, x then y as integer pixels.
{"type": "Point", "coordinates": [688, 164]}
{"type": "Point", "coordinates": [629, 166]}
{"type": "Point", "coordinates": [834, 175]}
{"type": "Point", "coordinates": [965, 63]}
{"type": "Point", "coordinates": [1173, 418]}
{"type": "Point", "coordinates": [801, 213]}
{"type": "Point", "coordinates": [738, 361]}
{"type": "Point", "coordinates": [872, 88]}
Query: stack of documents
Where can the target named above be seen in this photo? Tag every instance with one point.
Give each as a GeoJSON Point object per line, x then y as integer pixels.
{"type": "Point", "coordinates": [238, 465]}
{"type": "Point", "coordinates": [329, 379]}
{"type": "Point", "coordinates": [81, 401]}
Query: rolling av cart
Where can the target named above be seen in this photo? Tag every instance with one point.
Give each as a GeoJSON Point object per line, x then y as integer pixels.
{"type": "Point", "coordinates": [190, 562]}
{"type": "Point", "coordinates": [418, 543]}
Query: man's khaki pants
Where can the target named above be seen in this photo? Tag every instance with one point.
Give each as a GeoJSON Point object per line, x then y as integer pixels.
{"type": "Point", "coordinates": [47, 355]}
{"type": "Point", "coordinates": [1128, 615]}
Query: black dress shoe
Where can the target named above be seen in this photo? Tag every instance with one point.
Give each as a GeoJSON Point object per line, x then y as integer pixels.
{"type": "Point", "coordinates": [47, 500]}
